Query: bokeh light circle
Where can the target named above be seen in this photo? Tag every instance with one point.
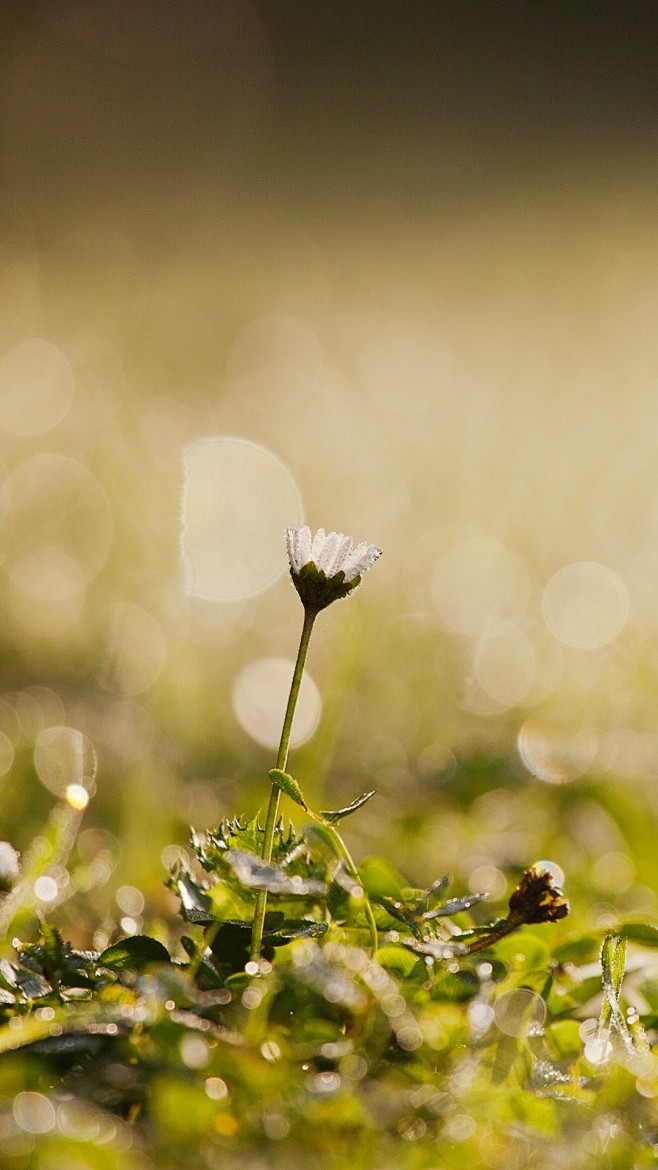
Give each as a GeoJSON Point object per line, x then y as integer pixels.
{"type": "Point", "coordinates": [46, 888]}
{"type": "Point", "coordinates": [585, 605]}
{"type": "Point", "coordinates": [46, 574]}
{"type": "Point", "coordinates": [553, 754]}
{"type": "Point", "coordinates": [238, 499]}
{"type": "Point", "coordinates": [6, 753]}
{"type": "Point", "coordinates": [489, 880]}
{"type": "Point", "coordinates": [405, 366]}
{"type": "Point", "coordinates": [77, 796]}
{"type": "Point", "coordinates": [135, 649]}
{"type": "Point", "coordinates": [55, 518]}
{"type": "Point", "coordinates": [260, 694]}
{"type": "Point", "coordinates": [34, 1113]}
{"type": "Point", "coordinates": [552, 867]}
{"type": "Point", "coordinates": [49, 617]}
{"type": "Point", "coordinates": [275, 362]}
{"type": "Point", "coordinates": [476, 580]}
{"type": "Point", "coordinates": [504, 663]}
{"type": "Point", "coordinates": [36, 387]}
{"type": "Point", "coordinates": [520, 1012]}
{"type": "Point", "coordinates": [63, 757]}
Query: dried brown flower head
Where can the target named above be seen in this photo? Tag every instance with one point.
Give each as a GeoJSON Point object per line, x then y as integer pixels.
{"type": "Point", "coordinates": [537, 899]}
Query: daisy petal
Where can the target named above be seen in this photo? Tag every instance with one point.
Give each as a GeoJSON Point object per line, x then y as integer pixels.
{"type": "Point", "coordinates": [298, 542]}
{"type": "Point", "coordinates": [361, 559]}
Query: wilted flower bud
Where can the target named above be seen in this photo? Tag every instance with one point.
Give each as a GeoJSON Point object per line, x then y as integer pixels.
{"type": "Point", "coordinates": [537, 899]}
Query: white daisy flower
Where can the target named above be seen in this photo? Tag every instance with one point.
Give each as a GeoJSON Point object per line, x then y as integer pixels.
{"type": "Point", "coordinates": [326, 566]}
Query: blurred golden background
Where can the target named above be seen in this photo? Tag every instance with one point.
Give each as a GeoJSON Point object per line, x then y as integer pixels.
{"type": "Point", "coordinates": [404, 257]}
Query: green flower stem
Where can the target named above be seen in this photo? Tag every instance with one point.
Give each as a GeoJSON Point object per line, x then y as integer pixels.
{"type": "Point", "coordinates": [275, 793]}
{"type": "Point", "coordinates": [342, 850]}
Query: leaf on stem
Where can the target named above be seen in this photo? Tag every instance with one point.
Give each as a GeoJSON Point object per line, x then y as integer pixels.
{"type": "Point", "coordinates": [323, 839]}
{"type": "Point", "coordinates": [429, 898]}
{"type": "Point", "coordinates": [196, 905]}
{"type": "Point", "coordinates": [339, 814]}
{"type": "Point", "coordinates": [230, 945]}
{"type": "Point", "coordinates": [613, 967]}
{"type": "Point", "coordinates": [133, 953]}
{"type": "Point", "coordinates": [397, 911]}
{"type": "Point", "coordinates": [454, 906]}
{"type": "Point", "coordinates": [641, 932]}
{"type": "Point", "coordinates": [347, 882]}
{"type": "Point", "coordinates": [289, 785]}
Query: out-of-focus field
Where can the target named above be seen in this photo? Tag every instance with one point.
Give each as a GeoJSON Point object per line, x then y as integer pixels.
{"type": "Point", "coordinates": [471, 386]}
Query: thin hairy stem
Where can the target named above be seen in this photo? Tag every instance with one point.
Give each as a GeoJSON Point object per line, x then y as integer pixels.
{"type": "Point", "coordinates": [275, 792]}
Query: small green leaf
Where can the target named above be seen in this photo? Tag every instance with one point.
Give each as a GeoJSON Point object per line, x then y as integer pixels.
{"type": "Point", "coordinates": [564, 1040]}
{"type": "Point", "coordinates": [133, 953]}
{"type": "Point", "coordinates": [335, 817]}
{"type": "Point", "coordinates": [33, 986]}
{"type": "Point", "coordinates": [287, 784]}
{"type": "Point", "coordinates": [339, 903]}
{"type": "Point", "coordinates": [576, 996]}
{"type": "Point", "coordinates": [291, 930]}
{"type": "Point", "coordinates": [195, 902]}
{"type": "Point", "coordinates": [325, 841]}
{"type": "Point", "coordinates": [381, 879]}
{"type": "Point", "coordinates": [540, 982]}
{"type": "Point", "coordinates": [8, 975]}
{"type": "Point", "coordinates": [613, 964]}
{"type": "Point", "coordinates": [583, 948]}
{"type": "Point", "coordinates": [454, 906]}
{"type": "Point", "coordinates": [429, 898]}
{"type": "Point", "coordinates": [397, 911]}
{"type": "Point", "coordinates": [476, 932]}
{"type": "Point", "coordinates": [230, 943]}
{"type": "Point", "coordinates": [69, 1044]}
{"type": "Point", "coordinates": [457, 986]}
{"type": "Point", "coordinates": [53, 948]}
{"type": "Point", "coordinates": [641, 932]}
{"type": "Point", "coordinates": [524, 951]}
{"type": "Point", "coordinates": [397, 959]}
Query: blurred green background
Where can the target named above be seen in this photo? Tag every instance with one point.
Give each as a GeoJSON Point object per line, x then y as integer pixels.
{"type": "Point", "coordinates": [405, 256]}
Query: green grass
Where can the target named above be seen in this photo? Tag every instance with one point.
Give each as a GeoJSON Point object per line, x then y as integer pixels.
{"type": "Point", "coordinates": [534, 1048]}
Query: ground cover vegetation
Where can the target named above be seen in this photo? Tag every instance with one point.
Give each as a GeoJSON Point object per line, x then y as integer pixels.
{"type": "Point", "coordinates": [308, 1010]}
